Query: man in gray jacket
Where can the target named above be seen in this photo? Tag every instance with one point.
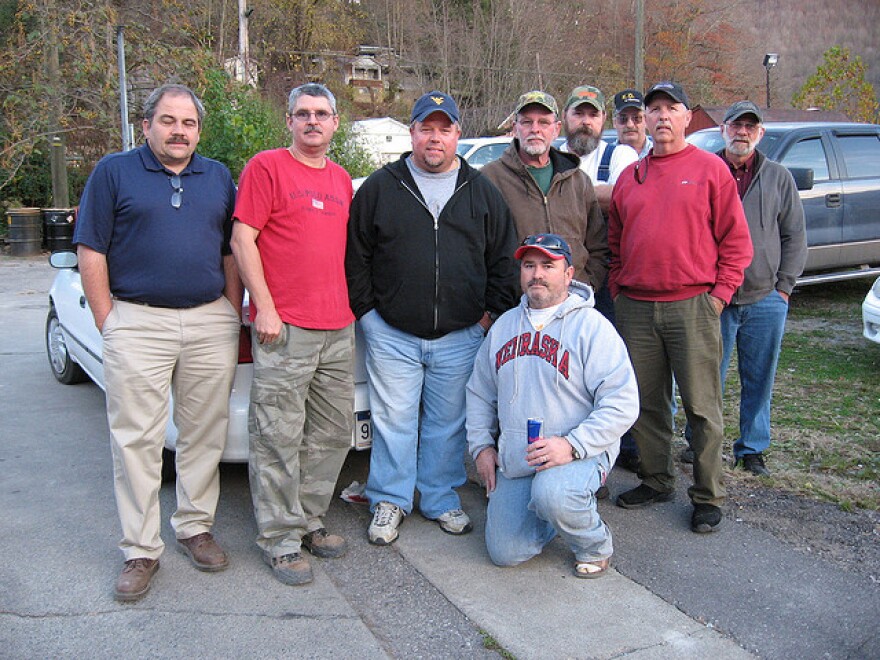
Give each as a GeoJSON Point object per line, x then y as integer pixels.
{"type": "Point", "coordinates": [557, 358]}
{"type": "Point", "coordinates": [755, 319]}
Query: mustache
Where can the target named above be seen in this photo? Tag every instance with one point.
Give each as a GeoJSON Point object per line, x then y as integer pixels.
{"type": "Point", "coordinates": [584, 130]}
{"type": "Point", "coordinates": [312, 129]}
{"type": "Point", "coordinates": [537, 282]}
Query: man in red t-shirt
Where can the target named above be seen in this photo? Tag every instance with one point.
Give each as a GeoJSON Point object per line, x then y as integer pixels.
{"type": "Point", "coordinates": [289, 243]}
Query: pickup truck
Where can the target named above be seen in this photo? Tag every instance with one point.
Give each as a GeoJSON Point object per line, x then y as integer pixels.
{"type": "Point", "coordinates": [837, 169]}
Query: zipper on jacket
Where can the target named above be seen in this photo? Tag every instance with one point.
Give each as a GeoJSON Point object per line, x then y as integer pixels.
{"type": "Point", "coordinates": [436, 245]}
{"type": "Point", "coordinates": [544, 200]}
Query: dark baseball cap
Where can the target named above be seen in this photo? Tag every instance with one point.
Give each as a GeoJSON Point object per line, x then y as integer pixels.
{"type": "Point", "coordinates": [629, 98]}
{"type": "Point", "coordinates": [741, 108]}
{"type": "Point", "coordinates": [432, 102]}
{"type": "Point", "coordinates": [586, 94]}
{"type": "Point", "coordinates": [553, 245]}
{"type": "Point", "coordinates": [672, 90]}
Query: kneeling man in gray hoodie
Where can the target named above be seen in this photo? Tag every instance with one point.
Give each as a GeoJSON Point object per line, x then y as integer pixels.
{"type": "Point", "coordinates": [554, 358]}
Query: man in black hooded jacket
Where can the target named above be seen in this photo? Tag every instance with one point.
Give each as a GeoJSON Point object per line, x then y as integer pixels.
{"type": "Point", "coordinates": [429, 267]}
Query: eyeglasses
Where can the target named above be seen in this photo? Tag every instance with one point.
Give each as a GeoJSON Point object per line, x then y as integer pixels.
{"type": "Point", "coordinates": [623, 120]}
{"type": "Point", "coordinates": [739, 125]}
{"type": "Point", "coordinates": [641, 175]}
{"type": "Point", "coordinates": [543, 124]}
{"type": "Point", "coordinates": [304, 115]}
{"type": "Point", "coordinates": [177, 195]}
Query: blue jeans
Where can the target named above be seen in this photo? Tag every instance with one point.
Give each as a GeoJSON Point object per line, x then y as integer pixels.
{"type": "Point", "coordinates": [417, 404]}
{"type": "Point", "coordinates": [756, 330]}
{"type": "Point", "coordinates": [525, 514]}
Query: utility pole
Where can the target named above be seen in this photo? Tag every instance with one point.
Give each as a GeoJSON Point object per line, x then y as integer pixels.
{"type": "Point", "coordinates": [242, 72]}
{"type": "Point", "coordinates": [57, 159]}
{"type": "Point", "coordinates": [639, 68]}
{"type": "Point", "coordinates": [538, 66]}
{"type": "Point", "coordinates": [123, 88]}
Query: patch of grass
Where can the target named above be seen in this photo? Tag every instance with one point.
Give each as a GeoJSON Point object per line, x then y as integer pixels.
{"type": "Point", "coordinates": [490, 644]}
{"type": "Point", "coordinates": [826, 401]}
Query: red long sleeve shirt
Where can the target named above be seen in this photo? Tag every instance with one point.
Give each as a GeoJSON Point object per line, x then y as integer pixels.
{"type": "Point", "coordinates": [676, 229]}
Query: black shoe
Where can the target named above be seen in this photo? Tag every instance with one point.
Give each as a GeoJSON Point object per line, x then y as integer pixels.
{"type": "Point", "coordinates": [687, 455]}
{"type": "Point", "coordinates": [641, 496]}
{"type": "Point", "coordinates": [602, 493]}
{"type": "Point", "coordinates": [628, 460]}
{"type": "Point", "coordinates": [706, 518]}
{"type": "Point", "coordinates": [753, 463]}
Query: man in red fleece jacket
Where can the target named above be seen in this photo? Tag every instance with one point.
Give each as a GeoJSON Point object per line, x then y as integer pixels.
{"type": "Point", "coordinates": [679, 246]}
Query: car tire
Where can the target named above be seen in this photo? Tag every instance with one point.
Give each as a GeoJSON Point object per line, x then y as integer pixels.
{"type": "Point", "coordinates": [169, 470]}
{"type": "Point", "coordinates": [63, 367]}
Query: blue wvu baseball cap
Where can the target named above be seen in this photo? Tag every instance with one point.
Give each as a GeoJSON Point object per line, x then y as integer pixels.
{"type": "Point", "coordinates": [434, 102]}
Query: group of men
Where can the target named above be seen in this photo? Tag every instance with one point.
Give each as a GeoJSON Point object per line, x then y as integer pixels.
{"type": "Point", "coordinates": [463, 349]}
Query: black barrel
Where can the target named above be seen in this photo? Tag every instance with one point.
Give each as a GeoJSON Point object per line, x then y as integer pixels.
{"type": "Point", "coordinates": [23, 234]}
{"type": "Point", "coordinates": [58, 229]}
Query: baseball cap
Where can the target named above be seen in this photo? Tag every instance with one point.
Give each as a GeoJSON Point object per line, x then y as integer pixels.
{"type": "Point", "coordinates": [741, 108]}
{"type": "Point", "coordinates": [672, 90]}
{"type": "Point", "coordinates": [586, 94]}
{"type": "Point", "coordinates": [629, 98]}
{"type": "Point", "coordinates": [434, 102]}
{"type": "Point", "coordinates": [539, 97]}
{"type": "Point", "coordinates": [553, 245]}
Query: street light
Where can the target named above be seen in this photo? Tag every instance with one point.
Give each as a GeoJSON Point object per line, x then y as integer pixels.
{"type": "Point", "coordinates": [770, 60]}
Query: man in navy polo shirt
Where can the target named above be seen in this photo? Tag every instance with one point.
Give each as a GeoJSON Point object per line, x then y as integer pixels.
{"type": "Point", "coordinates": [153, 243]}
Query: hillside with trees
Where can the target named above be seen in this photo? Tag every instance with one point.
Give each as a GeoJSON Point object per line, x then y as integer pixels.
{"type": "Point", "coordinates": [58, 61]}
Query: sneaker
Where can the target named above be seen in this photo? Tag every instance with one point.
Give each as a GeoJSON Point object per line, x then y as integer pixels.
{"type": "Point", "coordinates": [642, 496]}
{"type": "Point", "coordinates": [204, 552]}
{"type": "Point", "coordinates": [753, 463]}
{"type": "Point", "coordinates": [290, 569]}
{"type": "Point", "coordinates": [706, 518]}
{"type": "Point", "coordinates": [386, 519]}
{"type": "Point", "coordinates": [687, 455]}
{"type": "Point", "coordinates": [322, 544]}
{"type": "Point", "coordinates": [455, 521]}
{"type": "Point", "coordinates": [602, 493]}
{"type": "Point", "coordinates": [628, 461]}
{"type": "Point", "coordinates": [134, 581]}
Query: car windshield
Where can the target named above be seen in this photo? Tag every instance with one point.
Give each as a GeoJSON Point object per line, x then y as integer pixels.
{"type": "Point", "coordinates": [711, 140]}
{"type": "Point", "coordinates": [769, 140]}
{"type": "Point", "coordinates": [463, 147]}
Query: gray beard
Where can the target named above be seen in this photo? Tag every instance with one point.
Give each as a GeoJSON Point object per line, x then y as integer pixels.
{"type": "Point", "coordinates": [582, 144]}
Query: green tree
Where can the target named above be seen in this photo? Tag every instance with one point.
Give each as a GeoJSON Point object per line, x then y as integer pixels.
{"type": "Point", "coordinates": [348, 152]}
{"type": "Point", "coordinates": [840, 84]}
{"type": "Point", "coordinates": [238, 122]}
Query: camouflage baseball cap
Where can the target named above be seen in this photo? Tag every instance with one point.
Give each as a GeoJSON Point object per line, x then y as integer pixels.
{"type": "Point", "coordinates": [586, 94]}
{"type": "Point", "coordinates": [537, 97]}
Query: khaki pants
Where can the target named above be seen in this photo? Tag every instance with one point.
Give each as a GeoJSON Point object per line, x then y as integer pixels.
{"type": "Point", "coordinates": [681, 338]}
{"type": "Point", "coordinates": [300, 425]}
{"type": "Point", "coordinates": [149, 353]}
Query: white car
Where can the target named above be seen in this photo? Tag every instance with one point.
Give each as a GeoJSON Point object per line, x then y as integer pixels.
{"type": "Point", "coordinates": [74, 348]}
{"type": "Point", "coordinates": [871, 313]}
{"type": "Point", "coordinates": [482, 150]}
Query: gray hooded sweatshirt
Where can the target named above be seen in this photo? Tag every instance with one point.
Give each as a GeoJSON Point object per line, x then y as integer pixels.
{"type": "Point", "coordinates": [575, 373]}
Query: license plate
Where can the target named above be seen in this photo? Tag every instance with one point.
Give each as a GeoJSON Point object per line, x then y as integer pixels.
{"type": "Point", "coordinates": [363, 430]}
